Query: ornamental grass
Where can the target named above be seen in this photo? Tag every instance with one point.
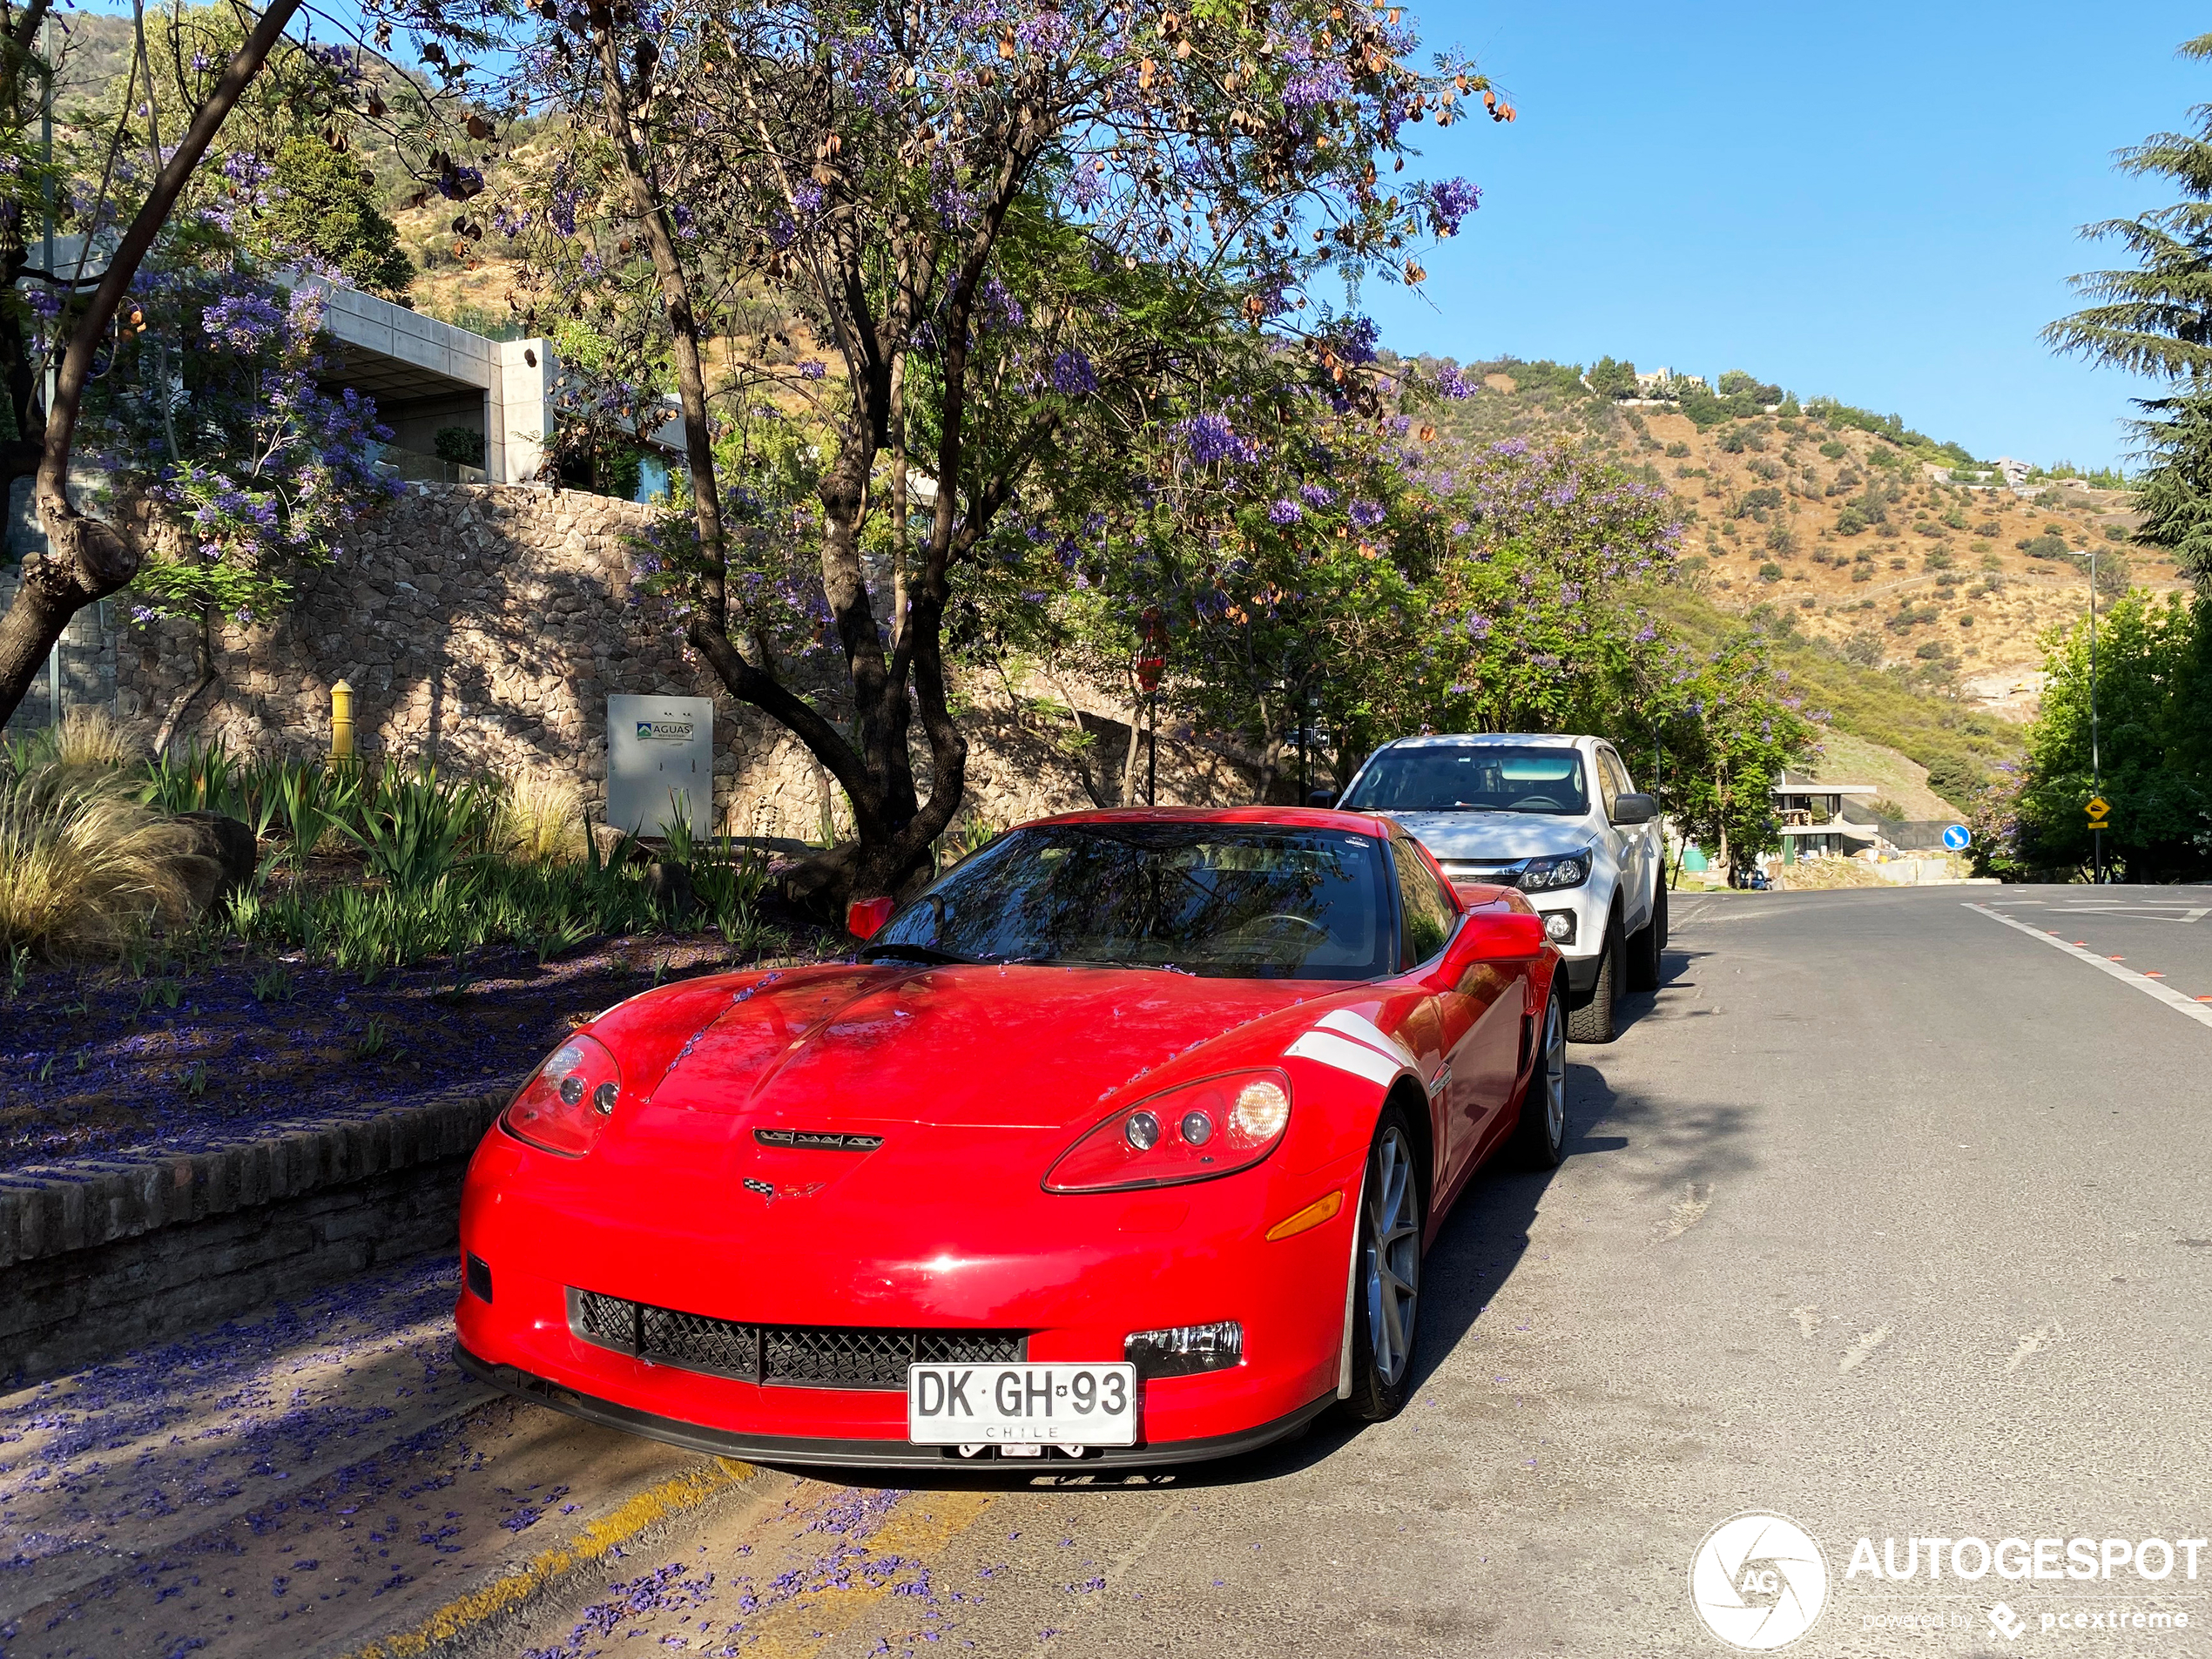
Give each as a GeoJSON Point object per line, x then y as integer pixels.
{"type": "Point", "coordinates": [84, 866]}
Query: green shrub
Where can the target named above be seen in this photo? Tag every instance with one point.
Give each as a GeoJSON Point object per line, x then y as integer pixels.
{"type": "Point", "coordinates": [1834, 450]}
{"type": "Point", "coordinates": [1769, 571]}
{"type": "Point", "coordinates": [2048, 545]}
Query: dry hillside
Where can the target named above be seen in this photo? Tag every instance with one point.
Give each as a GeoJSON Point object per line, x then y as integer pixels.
{"type": "Point", "coordinates": [1944, 583]}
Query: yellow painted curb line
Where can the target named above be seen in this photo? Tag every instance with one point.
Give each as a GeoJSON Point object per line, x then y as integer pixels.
{"type": "Point", "coordinates": [672, 1497]}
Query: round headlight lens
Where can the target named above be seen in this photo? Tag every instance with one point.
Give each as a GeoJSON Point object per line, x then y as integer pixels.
{"type": "Point", "coordinates": [1197, 1128]}
{"type": "Point", "coordinates": [1143, 1131]}
{"type": "Point", "coordinates": [1262, 1110]}
{"type": "Point", "coordinates": [603, 1098]}
{"type": "Point", "coordinates": [571, 1089]}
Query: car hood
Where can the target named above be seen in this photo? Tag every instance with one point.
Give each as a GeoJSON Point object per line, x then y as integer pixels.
{"type": "Point", "coordinates": [968, 1046]}
{"type": "Point", "coordinates": [1493, 837]}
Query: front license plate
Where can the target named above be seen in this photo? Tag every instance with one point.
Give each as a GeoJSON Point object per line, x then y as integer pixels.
{"type": "Point", "coordinates": [1021, 1404]}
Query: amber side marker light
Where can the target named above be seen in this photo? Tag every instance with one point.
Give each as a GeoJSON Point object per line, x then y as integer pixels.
{"type": "Point", "coordinates": [1306, 1219]}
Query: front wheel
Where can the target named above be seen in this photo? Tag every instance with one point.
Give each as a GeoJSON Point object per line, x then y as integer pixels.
{"type": "Point", "coordinates": [1540, 1139]}
{"type": "Point", "coordinates": [1647, 947]}
{"type": "Point", "coordinates": [1596, 1020]}
{"type": "Point", "coordinates": [1385, 1299]}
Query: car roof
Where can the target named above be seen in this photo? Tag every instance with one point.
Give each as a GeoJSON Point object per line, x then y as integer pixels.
{"type": "Point", "coordinates": [1462, 739]}
{"type": "Point", "coordinates": [1281, 816]}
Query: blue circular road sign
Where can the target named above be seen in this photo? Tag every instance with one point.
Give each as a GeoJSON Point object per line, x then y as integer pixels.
{"type": "Point", "coordinates": [1956, 837]}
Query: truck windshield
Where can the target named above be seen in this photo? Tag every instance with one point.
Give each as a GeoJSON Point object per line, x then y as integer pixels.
{"type": "Point", "coordinates": [1472, 778]}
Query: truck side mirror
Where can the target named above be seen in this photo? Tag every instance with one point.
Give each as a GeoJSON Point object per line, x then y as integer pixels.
{"type": "Point", "coordinates": [1322, 798]}
{"type": "Point", "coordinates": [1634, 808]}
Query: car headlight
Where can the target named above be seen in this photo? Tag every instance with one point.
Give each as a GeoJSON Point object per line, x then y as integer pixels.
{"type": "Point", "coordinates": [1563, 870]}
{"type": "Point", "coordinates": [1193, 1133]}
{"type": "Point", "coordinates": [568, 1100]}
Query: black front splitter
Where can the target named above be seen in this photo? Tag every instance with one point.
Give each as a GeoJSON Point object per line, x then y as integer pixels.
{"type": "Point", "coordinates": [864, 1454]}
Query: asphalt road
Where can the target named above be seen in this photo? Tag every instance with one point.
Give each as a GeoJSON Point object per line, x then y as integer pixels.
{"type": "Point", "coordinates": [1884, 1216]}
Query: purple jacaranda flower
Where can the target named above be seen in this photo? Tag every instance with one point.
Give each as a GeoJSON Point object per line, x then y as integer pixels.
{"type": "Point", "coordinates": [1072, 375]}
{"type": "Point", "coordinates": [1284, 511]}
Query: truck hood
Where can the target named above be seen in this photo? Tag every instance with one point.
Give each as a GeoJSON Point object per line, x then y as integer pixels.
{"type": "Point", "coordinates": [1496, 837]}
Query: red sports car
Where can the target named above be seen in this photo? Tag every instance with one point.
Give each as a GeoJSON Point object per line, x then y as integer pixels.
{"type": "Point", "coordinates": [1122, 1142]}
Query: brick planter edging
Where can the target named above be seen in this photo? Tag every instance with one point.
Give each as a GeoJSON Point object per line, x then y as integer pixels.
{"type": "Point", "coordinates": [98, 1255]}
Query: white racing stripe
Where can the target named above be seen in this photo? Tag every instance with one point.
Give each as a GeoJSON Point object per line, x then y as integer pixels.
{"type": "Point", "coordinates": [1360, 1028]}
{"type": "Point", "coordinates": [2200, 1012]}
{"type": "Point", "coordinates": [1344, 1054]}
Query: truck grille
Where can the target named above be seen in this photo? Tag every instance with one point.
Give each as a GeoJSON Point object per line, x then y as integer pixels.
{"type": "Point", "coordinates": [798, 1356]}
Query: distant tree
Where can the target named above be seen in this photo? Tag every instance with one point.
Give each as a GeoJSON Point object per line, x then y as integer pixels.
{"type": "Point", "coordinates": [323, 208]}
{"type": "Point", "coordinates": [2154, 695]}
{"type": "Point", "coordinates": [1609, 379]}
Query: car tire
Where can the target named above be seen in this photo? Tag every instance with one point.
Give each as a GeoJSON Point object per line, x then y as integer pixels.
{"type": "Point", "coordinates": [1540, 1139]}
{"type": "Point", "coordinates": [1386, 1272]}
{"type": "Point", "coordinates": [1596, 1020]}
{"type": "Point", "coordinates": [1647, 945]}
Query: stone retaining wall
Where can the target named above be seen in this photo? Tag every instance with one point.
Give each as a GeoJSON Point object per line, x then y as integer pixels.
{"type": "Point", "coordinates": [97, 1257]}
{"type": "Point", "coordinates": [488, 624]}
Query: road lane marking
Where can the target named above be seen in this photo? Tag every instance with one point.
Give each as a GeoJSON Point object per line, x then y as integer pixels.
{"type": "Point", "coordinates": [672, 1497]}
{"type": "Point", "coordinates": [1855, 1355]}
{"type": "Point", "coordinates": [2173, 999]}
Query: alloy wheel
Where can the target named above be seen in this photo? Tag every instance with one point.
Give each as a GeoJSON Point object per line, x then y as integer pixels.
{"type": "Point", "coordinates": [1393, 1252]}
{"type": "Point", "coordinates": [1554, 1074]}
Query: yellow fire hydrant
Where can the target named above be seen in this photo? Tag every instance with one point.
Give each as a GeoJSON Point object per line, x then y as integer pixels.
{"type": "Point", "coordinates": [342, 721]}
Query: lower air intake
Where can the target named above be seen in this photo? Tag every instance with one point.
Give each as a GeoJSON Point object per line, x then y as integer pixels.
{"type": "Point", "coordinates": [797, 1356]}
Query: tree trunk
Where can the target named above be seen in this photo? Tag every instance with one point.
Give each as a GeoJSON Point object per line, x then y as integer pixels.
{"type": "Point", "coordinates": [86, 560]}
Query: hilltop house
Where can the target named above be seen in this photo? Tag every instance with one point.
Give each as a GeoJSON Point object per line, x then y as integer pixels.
{"type": "Point", "coordinates": [1814, 821]}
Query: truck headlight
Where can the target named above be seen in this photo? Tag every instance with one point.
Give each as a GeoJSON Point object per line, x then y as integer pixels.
{"type": "Point", "coordinates": [1563, 870]}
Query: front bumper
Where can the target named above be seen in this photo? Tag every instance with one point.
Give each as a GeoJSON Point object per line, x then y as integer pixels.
{"type": "Point", "coordinates": [1075, 1274]}
{"type": "Point", "coordinates": [818, 1452]}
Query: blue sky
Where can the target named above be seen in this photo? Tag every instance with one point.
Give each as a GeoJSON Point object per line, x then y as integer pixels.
{"type": "Point", "coordinates": [1878, 202]}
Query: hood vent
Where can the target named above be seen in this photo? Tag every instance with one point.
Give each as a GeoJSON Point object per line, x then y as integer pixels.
{"type": "Point", "coordinates": [817, 1140]}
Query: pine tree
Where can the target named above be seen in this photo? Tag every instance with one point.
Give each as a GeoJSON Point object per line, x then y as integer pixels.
{"type": "Point", "coordinates": [2155, 318]}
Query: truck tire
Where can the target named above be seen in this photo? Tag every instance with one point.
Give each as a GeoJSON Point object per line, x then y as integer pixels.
{"type": "Point", "coordinates": [1646, 944]}
{"type": "Point", "coordinates": [1594, 1021]}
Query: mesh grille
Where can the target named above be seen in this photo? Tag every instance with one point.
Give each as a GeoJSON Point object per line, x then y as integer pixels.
{"type": "Point", "coordinates": [800, 1355]}
{"type": "Point", "coordinates": [605, 1319]}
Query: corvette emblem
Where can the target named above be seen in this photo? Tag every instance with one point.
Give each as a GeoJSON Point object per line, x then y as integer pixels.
{"type": "Point", "coordinates": [771, 1191]}
{"type": "Point", "coordinates": [818, 1140]}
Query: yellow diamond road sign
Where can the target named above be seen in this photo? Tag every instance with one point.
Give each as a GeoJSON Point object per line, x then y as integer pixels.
{"type": "Point", "coordinates": [2099, 806]}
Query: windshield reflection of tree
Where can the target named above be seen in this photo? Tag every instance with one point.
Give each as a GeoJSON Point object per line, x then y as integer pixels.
{"type": "Point", "coordinates": [1268, 905]}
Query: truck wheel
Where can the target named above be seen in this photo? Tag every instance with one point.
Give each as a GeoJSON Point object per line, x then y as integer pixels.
{"type": "Point", "coordinates": [1646, 944]}
{"type": "Point", "coordinates": [1593, 1022]}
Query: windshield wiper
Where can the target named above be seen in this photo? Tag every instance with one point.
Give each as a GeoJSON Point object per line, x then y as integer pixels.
{"type": "Point", "coordinates": [920, 953]}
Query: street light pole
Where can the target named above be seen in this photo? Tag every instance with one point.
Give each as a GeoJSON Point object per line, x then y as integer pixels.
{"type": "Point", "coordinates": [2097, 768]}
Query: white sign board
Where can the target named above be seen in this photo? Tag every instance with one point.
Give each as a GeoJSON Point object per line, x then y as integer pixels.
{"type": "Point", "coordinates": [660, 762]}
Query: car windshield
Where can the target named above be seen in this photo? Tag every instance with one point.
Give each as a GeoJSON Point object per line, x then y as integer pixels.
{"type": "Point", "coordinates": [1231, 901]}
{"type": "Point", "coordinates": [1484, 778]}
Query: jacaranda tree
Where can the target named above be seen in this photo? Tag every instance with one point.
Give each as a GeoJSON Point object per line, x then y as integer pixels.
{"type": "Point", "coordinates": [124, 216]}
{"type": "Point", "coordinates": [942, 195]}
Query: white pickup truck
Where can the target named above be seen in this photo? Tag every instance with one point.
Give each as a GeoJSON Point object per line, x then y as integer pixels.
{"type": "Point", "coordinates": [1556, 817]}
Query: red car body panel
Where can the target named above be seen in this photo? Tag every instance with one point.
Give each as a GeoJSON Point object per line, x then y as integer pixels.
{"type": "Point", "coordinates": [976, 1078]}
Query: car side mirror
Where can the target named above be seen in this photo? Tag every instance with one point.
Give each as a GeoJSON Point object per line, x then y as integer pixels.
{"type": "Point", "coordinates": [1322, 798]}
{"type": "Point", "coordinates": [1490, 936]}
{"type": "Point", "coordinates": [864, 918]}
{"type": "Point", "coordinates": [1634, 808]}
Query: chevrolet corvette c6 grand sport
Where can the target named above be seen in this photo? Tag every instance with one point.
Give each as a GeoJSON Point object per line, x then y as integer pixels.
{"type": "Point", "coordinates": [1123, 1141]}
